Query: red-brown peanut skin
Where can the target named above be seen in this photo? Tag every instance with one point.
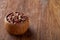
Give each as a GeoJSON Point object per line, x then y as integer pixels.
{"type": "Point", "coordinates": [16, 29]}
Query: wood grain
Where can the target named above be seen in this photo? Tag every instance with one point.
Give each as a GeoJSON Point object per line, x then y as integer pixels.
{"type": "Point", "coordinates": [50, 25]}
{"type": "Point", "coordinates": [44, 18]}
{"type": "Point", "coordinates": [30, 8]}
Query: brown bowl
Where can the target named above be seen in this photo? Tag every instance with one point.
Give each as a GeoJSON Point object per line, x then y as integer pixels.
{"type": "Point", "coordinates": [16, 29]}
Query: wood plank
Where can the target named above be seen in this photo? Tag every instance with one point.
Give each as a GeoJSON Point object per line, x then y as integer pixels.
{"type": "Point", "coordinates": [50, 23]}
{"type": "Point", "coordinates": [44, 18]}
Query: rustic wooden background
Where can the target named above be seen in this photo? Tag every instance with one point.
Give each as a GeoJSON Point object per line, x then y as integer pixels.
{"type": "Point", "coordinates": [44, 18]}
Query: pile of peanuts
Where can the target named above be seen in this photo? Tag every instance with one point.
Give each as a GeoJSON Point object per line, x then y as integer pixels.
{"type": "Point", "coordinates": [16, 17]}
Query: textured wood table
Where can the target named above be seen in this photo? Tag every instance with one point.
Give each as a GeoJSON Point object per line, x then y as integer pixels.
{"type": "Point", "coordinates": [44, 18]}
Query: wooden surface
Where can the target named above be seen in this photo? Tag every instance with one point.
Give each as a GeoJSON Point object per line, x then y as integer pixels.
{"type": "Point", "coordinates": [44, 18]}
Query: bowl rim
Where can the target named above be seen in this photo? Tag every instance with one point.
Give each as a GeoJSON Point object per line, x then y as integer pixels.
{"type": "Point", "coordinates": [13, 23]}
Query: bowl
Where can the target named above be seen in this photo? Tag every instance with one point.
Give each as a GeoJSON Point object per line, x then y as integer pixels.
{"type": "Point", "coordinates": [16, 29]}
